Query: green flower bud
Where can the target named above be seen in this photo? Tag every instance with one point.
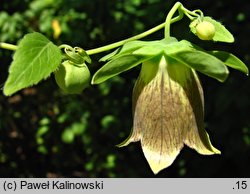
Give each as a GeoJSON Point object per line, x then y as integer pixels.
{"type": "Point", "coordinates": [205, 30]}
{"type": "Point", "coordinates": [72, 78]}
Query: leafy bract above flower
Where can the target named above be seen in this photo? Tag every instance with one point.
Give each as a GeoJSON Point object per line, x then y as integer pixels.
{"type": "Point", "coordinates": [134, 53]}
{"type": "Point", "coordinates": [168, 105]}
{"type": "Point", "coordinates": [230, 60]}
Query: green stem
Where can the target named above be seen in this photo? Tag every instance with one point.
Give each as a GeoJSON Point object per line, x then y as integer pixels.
{"type": "Point", "coordinates": [117, 44]}
{"type": "Point", "coordinates": [169, 17]}
{"type": "Point", "coordinates": [8, 46]}
{"type": "Point", "coordinates": [139, 36]}
{"type": "Point", "coordinates": [192, 14]}
{"type": "Point", "coordinates": [63, 46]}
{"type": "Point", "coordinates": [166, 24]}
{"type": "Point", "coordinates": [107, 47]}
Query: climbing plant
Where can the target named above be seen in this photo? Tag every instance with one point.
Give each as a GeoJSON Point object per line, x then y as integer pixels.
{"type": "Point", "coordinates": [168, 104]}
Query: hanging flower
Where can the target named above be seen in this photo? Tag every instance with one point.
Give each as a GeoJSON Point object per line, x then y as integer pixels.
{"type": "Point", "coordinates": [168, 104]}
{"type": "Point", "coordinates": [168, 112]}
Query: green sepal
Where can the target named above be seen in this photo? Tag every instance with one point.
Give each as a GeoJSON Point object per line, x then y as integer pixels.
{"type": "Point", "coordinates": [110, 55]}
{"type": "Point", "coordinates": [150, 50]}
{"type": "Point", "coordinates": [192, 45]}
{"type": "Point", "coordinates": [230, 60]}
{"type": "Point", "coordinates": [139, 47]}
{"type": "Point", "coordinates": [35, 59]}
{"type": "Point", "coordinates": [155, 48]}
{"type": "Point", "coordinates": [221, 33]}
{"type": "Point", "coordinates": [83, 54]}
{"type": "Point", "coordinates": [132, 54]}
{"type": "Point", "coordinates": [117, 66]}
{"type": "Point", "coordinates": [73, 56]}
{"type": "Point", "coordinates": [182, 45]}
{"type": "Point", "coordinates": [203, 62]}
{"type": "Point", "coordinates": [127, 48]}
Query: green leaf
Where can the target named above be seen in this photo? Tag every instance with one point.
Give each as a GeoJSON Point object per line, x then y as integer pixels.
{"type": "Point", "coordinates": [182, 45]}
{"type": "Point", "coordinates": [230, 60]}
{"type": "Point", "coordinates": [204, 63]}
{"type": "Point", "coordinates": [35, 59]}
{"type": "Point", "coordinates": [155, 48]}
{"type": "Point", "coordinates": [221, 33]}
{"type": "Point", "coordinates": [135, 52]}
{"type": "Point", "coordinates": [116, 66]}
{"type": "Point", "coordinates": [110, 55]}
{"type": "Point", "coordinates": [138, 47]}
{"type": "Point", "coordinates": [150, 50]}
{"type": "Point", "coordinates": [128, 47]}
{"type": "Point", "coordinates": [190, 45]}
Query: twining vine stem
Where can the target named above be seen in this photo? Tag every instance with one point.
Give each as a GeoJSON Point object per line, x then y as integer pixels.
{"type": "Point", "coordinates": [169, 20]}
{"type": "Point", "coordinates": [8, 46]}
{"type": "Point", "coordinates": [169, 17]}
{"type": "Point", "coordinates": [106, 47]}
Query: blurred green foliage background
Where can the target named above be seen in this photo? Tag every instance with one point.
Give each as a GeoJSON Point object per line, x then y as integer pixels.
{"type": "Point", "coordinates": [44, 133]}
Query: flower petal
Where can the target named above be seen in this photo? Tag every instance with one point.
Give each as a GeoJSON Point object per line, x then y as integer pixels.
{"type": "Point", "coordinates": [159, 114]}
{"type": "Point", "coordinates": [168, 111]}
{"type": "Point", "coordinates": [197, 138]}
{"type": "Point", "coordinates": [139, 87]}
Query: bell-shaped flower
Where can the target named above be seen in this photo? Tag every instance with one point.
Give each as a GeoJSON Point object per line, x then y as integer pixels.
{"type": "Point", "coordinates": [168, 110]}
{"type": "Point", "coordinates": [168, 105]}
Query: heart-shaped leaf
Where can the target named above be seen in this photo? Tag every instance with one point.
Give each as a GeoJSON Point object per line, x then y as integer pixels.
{"type": "Point", "coordinates": [35, 59]}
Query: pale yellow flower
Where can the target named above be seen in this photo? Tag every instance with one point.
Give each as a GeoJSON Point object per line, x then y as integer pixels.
{"type": "Point", "coordinates": [168, 111]}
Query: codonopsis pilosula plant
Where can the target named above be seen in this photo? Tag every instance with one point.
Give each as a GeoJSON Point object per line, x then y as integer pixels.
{"type": "Point", "coordinates": [168, 104]}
